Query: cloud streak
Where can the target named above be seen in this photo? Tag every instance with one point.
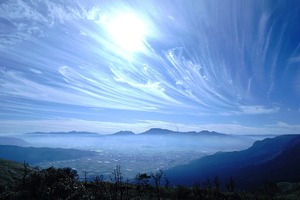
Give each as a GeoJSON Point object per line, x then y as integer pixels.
{"type": "Point", "coordinates": [197, 60]}
{"type": "Point", "coordinates": [252, 110]}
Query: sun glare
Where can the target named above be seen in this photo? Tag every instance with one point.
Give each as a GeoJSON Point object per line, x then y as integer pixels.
{"type": "Point", "coordinates": [127, 31]}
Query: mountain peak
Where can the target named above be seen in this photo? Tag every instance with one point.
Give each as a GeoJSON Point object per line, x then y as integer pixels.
{"type": "Point", "coordinates": [121, 133]}
{"type": "Point", "coordinates": [158, 131]}
{"type": "Point", "coordinates": [211, 133]}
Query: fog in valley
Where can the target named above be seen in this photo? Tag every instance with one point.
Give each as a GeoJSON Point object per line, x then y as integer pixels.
{"type": "Point", "coordinates": [135, 153]}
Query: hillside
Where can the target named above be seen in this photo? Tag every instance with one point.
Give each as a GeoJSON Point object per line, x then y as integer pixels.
{"type": "Point", "coordinates": [34, 155]}
{"type": "Point", "coordinates": [13, 141]}
{"type": "Point", "coordinates": [10, 173]}
{"type": "Point", "coordinates": [276, 159]}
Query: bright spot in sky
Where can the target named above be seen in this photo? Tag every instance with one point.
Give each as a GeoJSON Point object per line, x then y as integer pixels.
{"type": "Point", "coordinates": [128, 31]}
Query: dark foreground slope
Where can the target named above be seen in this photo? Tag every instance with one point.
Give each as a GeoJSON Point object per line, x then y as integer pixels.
{"type": "Point", "coordinates": [34, 155]}
{"type": "Point", "coordinates": [26, 182]}
{"type": "Point", "coordinates": [276, 159]}
{"type": "Point", "coordinates": [11, 173]}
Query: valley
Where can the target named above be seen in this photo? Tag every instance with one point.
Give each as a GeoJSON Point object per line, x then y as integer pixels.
{"type": "Point", "coordinates": [135, 153]}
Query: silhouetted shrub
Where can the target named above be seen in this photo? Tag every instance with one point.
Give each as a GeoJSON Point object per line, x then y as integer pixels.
{"type": "Point", "coordinates": [53, 183]}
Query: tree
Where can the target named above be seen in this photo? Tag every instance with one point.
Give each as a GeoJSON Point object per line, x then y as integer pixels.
{"type": "Point", "coordinates": [142, 179]}
{"type": "Point", "coordinates": [157, 180]}
{"type": "Point", "coordinates": [117, 189]}
{"type": "Point", "coordinates": [85, 176]}
{"type": "Point", "coordinates": [53, 183]}
{"type": "Point", "coordinates": [207, 183]}
{"type": "Point", "coordinates": [25, 174]}
{"type": "Point", "coordinates": [216, 183]}
{"type": "Point", "coordinates": [230, 185]}
{"type": "Point", "coordinates": [117, 176]}
{"type": "Point", "coordinates": [142, 183]}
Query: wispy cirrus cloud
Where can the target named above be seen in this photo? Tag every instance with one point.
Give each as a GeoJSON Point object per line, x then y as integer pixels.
{"type": "Point", "coordinates": [258, 109]}
{"type": "Point", "coordinates": [193, 64]}
{"type": "Point", "coordinates": [20, 20]}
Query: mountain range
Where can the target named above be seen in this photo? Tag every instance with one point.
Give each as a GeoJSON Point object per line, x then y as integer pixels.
{"type": "Point", "coordinates": [152, 131]}
{"type": "Point", "coordinates": [159, 131]}
{"type": "Point", "coordinates": [273, 159]}
{"type": "Point", "coordinates": [63, 133]}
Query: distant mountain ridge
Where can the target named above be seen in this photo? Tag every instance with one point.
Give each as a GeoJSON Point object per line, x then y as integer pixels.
{"type": "Point", "coordinates": [276, 159]}
{"type": "Point", "coordinates": [159, 131]}
{"type": "Point", "coordinates": [63, 133]}
{"type": "Point", "coordinates": [152, 131]}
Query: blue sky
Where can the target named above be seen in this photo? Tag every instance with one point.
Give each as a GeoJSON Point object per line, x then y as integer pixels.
{"type": "Point", "coordinates": [104, 66]}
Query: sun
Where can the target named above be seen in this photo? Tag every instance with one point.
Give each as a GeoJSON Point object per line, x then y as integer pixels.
{"type": "Point", "coordinates": [127, 31]}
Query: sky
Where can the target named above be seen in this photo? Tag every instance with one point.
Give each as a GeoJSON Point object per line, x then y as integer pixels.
{"type": "Point", "coordinates": [104, 66]}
